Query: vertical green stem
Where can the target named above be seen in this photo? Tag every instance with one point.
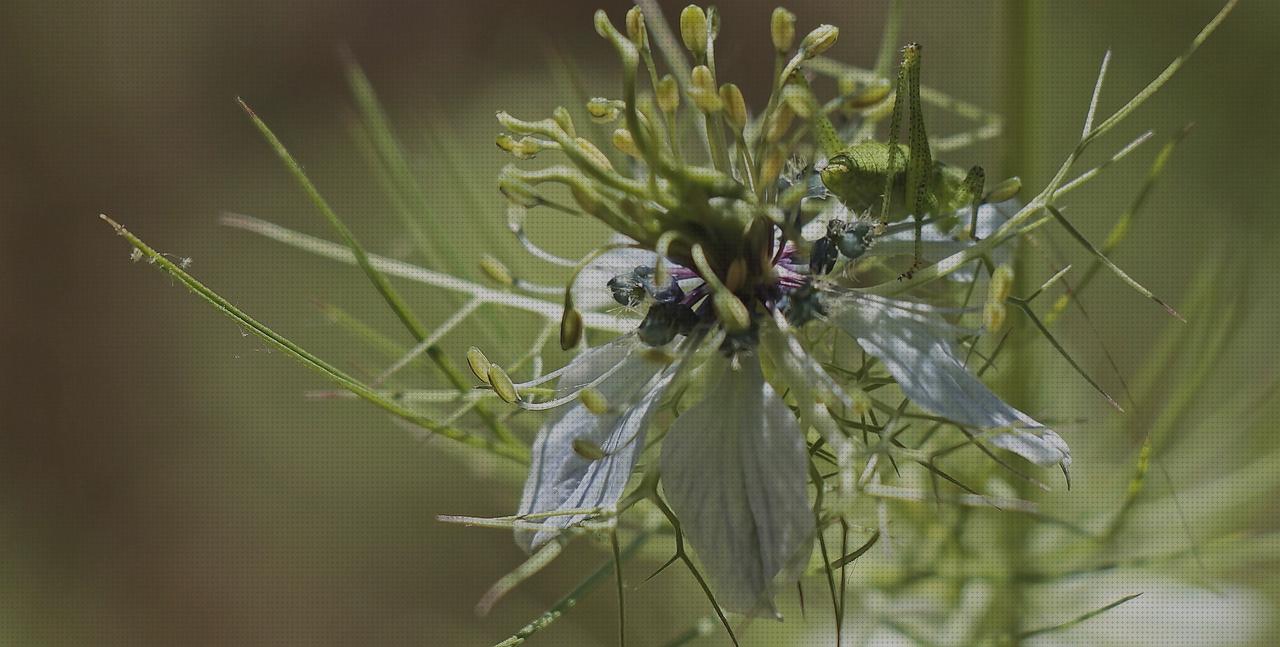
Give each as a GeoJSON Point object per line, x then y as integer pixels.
{"type": "Point", "coordinates": [1024, 27]}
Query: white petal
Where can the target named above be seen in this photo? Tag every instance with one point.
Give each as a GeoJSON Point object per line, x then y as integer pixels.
{"type": "Point", "coordinates": [917, 350]}
{"type": "Point", "coordinates": [734, 469]}
{"type": "Point", "coordinates": [560, 479]}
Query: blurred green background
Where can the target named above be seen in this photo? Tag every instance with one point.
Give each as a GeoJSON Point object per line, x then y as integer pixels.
{"type": "Point", "coordinates": [164, 481]}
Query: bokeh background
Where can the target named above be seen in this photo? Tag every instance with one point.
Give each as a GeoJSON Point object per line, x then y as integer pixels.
{"type": "Point", "coordinates": [164, 481]}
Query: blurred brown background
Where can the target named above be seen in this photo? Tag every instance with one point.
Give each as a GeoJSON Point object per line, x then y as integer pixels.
{"type": "Point", "coordinates": [162, 481]}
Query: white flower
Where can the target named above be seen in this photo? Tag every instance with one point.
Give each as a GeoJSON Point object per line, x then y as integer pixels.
{"type": "Point", "coordinates": [735, 470]}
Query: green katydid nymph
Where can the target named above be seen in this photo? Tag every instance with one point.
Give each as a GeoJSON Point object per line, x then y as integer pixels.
{"type": "Point", "coordinates": [896, 180]}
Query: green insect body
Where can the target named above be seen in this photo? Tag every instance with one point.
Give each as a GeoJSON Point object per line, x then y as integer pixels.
{"type": "Point", "coordinates": [892, 180]}
{"type": "Point", "coordinates": [857, 177]}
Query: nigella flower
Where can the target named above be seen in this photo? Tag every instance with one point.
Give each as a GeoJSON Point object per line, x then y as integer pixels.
{"type": "Point", "coordinates": [738, 310]}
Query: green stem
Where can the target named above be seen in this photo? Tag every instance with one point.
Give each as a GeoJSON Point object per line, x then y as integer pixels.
{"type": "Point", "coordinates": [516, 453]}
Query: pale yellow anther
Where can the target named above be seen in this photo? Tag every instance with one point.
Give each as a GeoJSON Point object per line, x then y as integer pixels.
{"type": "Point", "coordinates": [623, 141]}
{"type": "Point", "coordinates": [594, 401]}
{"type": "Point", "coordinates": [736, 277]}
{"type": "Point", "coordinates": [496, 270]}
{"type": "Point", "coordinates": [593, 154]}
{"type": "Point", "coordinates": [571, 327]}
{"type": "Point", "coordinates": [479, 364]}
{"type": "Point", "coordinates": [604, 110]}
{"type": "Point", "coordinates": [735, 106]}
{"type": "Point", "coordinates": [994, 314]}
{"type": "Point", "coordinates": [782, 27]}
{"type": "Point", "coordinates": [523, 148]}
{"type": "Point", "coordinates": [587, 450]}
{"type": "Point", "coordinates": [733, 314]}
{"type": "Point", "coordinates": [693, 29]}
{"type": "Point", "coordinates": [780, 123]}
{"type": "Point", "coordinates": [502, 385]}
{"type": "Point", "coordinates": [668, 92]}
{"type": "Point", "coordinates": [1006, 190]}
{"type": "Point", "coordinates": [1001, 283]}
{"type": "Point", "coordinates": [819, 40]}
{"type": "Point", "coordinates": [635, 27]}
{"type": "Point", "coordinates": [861, 402]}
{"type": "Point", "coordinates": [562, 118]}
{"type": "Point", "coordinates": [702, 89]}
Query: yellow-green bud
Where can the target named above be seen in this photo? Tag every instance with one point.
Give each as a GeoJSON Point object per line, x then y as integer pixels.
{"type": "Point", "coordinates": [623, 141]}
{"type": "Point", "coordinates": [693, 29]}
{"type": "Point", "coordinates": [735, 106]}
{"type": "Point", "coordinates": [635, 27]}
{"type": "Point", "coordinates": [502, 385]}
{"type": "Point", "coordinates": [561, 116]}
{"type": "Point", "coordinates": [819, 40]}
{"type": "Point", "coordinates": [478, 363]}
{"type": "Point", "coordinates": [587, 450]}
{"type": "Point", "coordinates": [668, 94]}
{"type": "Point", "coordinates": [496, 270]}
{"type": "Point", "coordinates": [604, 110]}
{"type": "Point", "coordinates": [1006, 190]}
{"type": "Point", "coordinates": [783, 29]}
{"type": "Point", "coordinates": [732, 312]}
{"type": "Point", "coordinates": [702, 89]}
{"type": "Point", "coordinates": [594, 401]}
{"type": "Point", "coordinates": [862, 96]}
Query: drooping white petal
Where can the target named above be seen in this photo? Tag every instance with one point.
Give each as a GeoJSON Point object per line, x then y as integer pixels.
{"type": "Point", "coordinates": [560, 479]}
{"type": "Point", "coordinates": [918, 351]}
{"type": "Point", "coordinates": [734, 469]}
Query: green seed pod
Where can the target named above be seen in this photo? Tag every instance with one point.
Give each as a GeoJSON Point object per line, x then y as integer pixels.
{"type": "Point", "coordinates": [693, 29]}
{"type": "Point", "coordinates": [735, 106]}
{"type": "Point", "coordinates": [479, 364]}
{"type": "Point", "coordinates": [594, 401]}
{"type": "Point", "coordinates": [502, 385]}
{"type": "Point", "coordinates": [782, 27]}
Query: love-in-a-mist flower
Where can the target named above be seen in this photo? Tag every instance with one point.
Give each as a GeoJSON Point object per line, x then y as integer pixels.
{"type": "Point", "coordinates": [761, 346]}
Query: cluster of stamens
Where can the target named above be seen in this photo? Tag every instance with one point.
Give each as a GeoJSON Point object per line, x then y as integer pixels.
{"type": "Point", "coordinates": [693, 177]}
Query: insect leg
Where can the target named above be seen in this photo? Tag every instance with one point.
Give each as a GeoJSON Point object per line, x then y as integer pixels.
{"type": "Point", "coordinates": [920, 159]}
{"type": "Point", "coordinates": [974, 183]}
